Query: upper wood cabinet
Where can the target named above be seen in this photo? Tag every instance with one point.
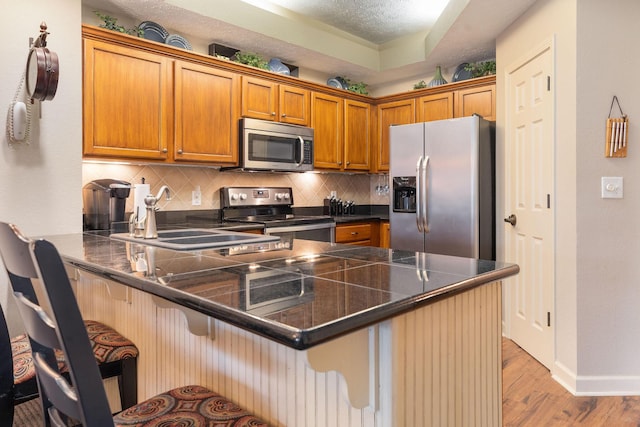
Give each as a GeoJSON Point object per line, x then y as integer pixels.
{"type": "Point", "coordinates": [342, 129]}
{"type": "Point", "coordinates": [357, 135]}
{"type": "Point", "coordinates": [206, 114]}
{"type": "Point", "coordinates": [127, 102]}
{"type": "Point", "coordinates": [327, 121]}
{"type": "Point", "coordinates": [435, 107]}
{"type": "Point", "coordinates": [391, 113]}
{"type": "Point", "coordinates": [266, 100]}
{"type": "Point", "coordinates": [476, 100]}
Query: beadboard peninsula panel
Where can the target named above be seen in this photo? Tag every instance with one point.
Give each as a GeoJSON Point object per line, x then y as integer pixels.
{"type": "Point", "coordinates": [438, 365]}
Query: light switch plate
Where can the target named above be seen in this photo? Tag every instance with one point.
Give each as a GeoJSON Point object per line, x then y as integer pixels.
{"type": "Point", "coordinates": [612, 187]}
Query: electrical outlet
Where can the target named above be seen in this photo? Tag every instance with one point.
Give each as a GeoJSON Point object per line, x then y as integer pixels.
{"type": "Point", "coordinates": [612, 187]}
{"type": "Point", "coordinates": [196, 197]}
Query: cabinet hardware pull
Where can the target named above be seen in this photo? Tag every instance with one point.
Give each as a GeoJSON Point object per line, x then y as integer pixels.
{"type": "Point", "coordinates": [273, 113]}
{"type": "Point", "coordinates": [339, 163]}
{"type": "Point", "coordinates": [354, 233]}
{"type": "Point", "coordinates": [164, 150]}
{"type": "Point", "coordinates": [348, 163]}
{"type": "Point", "coordinates": [284, 115]}
{"type": "Point", "coordinates": [180, 151]}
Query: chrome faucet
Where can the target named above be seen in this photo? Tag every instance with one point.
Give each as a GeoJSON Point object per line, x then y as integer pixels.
{"type": "Point", "coordinates": [150, 228]}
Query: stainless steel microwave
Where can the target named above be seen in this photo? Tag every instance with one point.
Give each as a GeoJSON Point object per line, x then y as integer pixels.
{"type": "Point", "coordinates": [275, 146]}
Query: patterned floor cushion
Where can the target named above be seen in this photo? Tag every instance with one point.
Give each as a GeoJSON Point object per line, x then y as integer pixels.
{"type": "Point", "coordinates": [187, 406]}
{"type": "Point", "coordinates": [108, 346]}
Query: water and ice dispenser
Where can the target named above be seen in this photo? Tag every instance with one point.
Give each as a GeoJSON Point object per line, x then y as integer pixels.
{"type": "Point", "coordinates": [404, 194]}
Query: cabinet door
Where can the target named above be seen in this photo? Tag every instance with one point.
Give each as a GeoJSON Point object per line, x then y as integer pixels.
{"type": "Point", "coordinates": [127, 107]}
{"type": "Point", "coordinates": [357, 128]}
{"type": "Point", "coordinates": [391, 113]}
{"type": "Point", "coordinates": [206, 114]}
{"type": "Point", "coordinates": [259, 98]}
{"type": "Point", "coordinates": [385, 235]}
{"type": "Point", "coordinates": [294, 105]}
{"type": "Point", "coordinates": [435, 107]}
{"type": "Point", "coordinates": [476, 100]}
{"type": "Point", "coordinates": [327, 119]}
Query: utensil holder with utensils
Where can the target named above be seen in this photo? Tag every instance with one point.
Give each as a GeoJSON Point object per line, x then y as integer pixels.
{"type": "Point", "coordinates": [617, 133]}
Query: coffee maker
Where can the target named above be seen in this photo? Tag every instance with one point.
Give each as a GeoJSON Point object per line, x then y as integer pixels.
{"type": "Point", "coordinates": [104, 201]}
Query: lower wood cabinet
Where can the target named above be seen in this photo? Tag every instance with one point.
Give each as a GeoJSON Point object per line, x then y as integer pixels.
{"type": "Point", "coordinates": [385, 234]}
{"type": "Point", "coordinates": [364, 233]}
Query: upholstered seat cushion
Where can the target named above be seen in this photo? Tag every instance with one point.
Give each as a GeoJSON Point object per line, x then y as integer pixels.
{"type": "Point", "coordinates": [108, 346]}
{"type": "Point", "coordinates": [187, 406]}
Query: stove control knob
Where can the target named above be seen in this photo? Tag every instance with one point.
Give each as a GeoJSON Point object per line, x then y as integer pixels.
{"type": "Point", "coordinates": [286, 196]}
{"type": "Point", "coordinates": [279, 196]}
{"type": "Point", "coordinates": [234, 196]}
{"type": "Point", "coordinates": [243, 196]}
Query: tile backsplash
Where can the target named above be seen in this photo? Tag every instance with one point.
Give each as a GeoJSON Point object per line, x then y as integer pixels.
{"type": "Point", "coordinates": [309, 189]}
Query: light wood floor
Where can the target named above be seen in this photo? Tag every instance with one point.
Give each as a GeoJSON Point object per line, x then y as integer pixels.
{"type": "Point", "coordinates": [531, 398]}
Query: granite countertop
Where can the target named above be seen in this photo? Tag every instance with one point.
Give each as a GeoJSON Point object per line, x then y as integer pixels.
{"type": "Point", "coordinates": [301, 293]}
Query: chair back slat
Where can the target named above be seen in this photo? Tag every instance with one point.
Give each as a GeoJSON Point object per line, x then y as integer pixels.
{"type": "Point", "coordinates": [63, 397]}
{"type": "Point", "coordinates": [37, 322]}
{"type": "Point", "coordinates": [15, 252]}
{"type": "Point", "coordinates": [27, 259]}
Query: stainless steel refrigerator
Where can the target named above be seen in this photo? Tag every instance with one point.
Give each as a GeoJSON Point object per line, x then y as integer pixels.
{"type": "Point", "coordinates": [443, 178]}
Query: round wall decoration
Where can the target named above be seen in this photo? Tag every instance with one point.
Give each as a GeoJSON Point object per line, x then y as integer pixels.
{"type": "Point", "coordinates": [42, 69]}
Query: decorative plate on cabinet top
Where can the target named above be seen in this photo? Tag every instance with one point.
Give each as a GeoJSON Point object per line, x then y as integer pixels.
{"type": "Point", "coordinates": [178, 41]}
{"type": "Point", "coordinates": [461, 73]}
{"type": "Point", "coordinates": [333, 82]}
{"type": "Point", "coordinates": [153, 31]}
{"type": "Point", "coordinates": [276, 66]}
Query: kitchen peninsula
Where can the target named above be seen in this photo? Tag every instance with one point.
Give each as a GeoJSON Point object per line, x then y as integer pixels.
{"type": "Point", "coordinates": [306, 333]}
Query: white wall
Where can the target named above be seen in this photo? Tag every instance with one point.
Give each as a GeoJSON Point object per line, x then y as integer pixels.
{"type": "Point", "coordinates": [608, 232]}
{"type": "Point", "coordinates": [39, 183]}
{"type": "Point", "coordinates": [596, 244]}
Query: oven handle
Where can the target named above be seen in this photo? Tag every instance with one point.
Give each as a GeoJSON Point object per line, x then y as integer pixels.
{"type": "Point", "coordinates": [298, 164]}
{"type": "Point", "coordinates": [305, 227]}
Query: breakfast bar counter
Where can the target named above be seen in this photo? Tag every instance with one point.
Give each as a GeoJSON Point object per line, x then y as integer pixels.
{"type": "Point", "coordinates": [303, 332]}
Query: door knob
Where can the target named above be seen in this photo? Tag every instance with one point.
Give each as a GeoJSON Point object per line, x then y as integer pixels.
{"type": "Point", "coordinates": [511, 219]}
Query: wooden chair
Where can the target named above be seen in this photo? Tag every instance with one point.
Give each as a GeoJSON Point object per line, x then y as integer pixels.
{"type": "Point", "coordinates": [116, 357]}
{"type": "Point", "coordinates": [83, 398]}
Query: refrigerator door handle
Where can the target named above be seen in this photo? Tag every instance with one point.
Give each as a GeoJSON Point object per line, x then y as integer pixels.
{"type": "Point", "coordinates": [425, 194]}
{"type": "Point", "coordinates": [419, 221]}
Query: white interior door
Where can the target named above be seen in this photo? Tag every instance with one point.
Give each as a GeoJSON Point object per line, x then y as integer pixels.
{"type": "Point", "coordinates": [529, 174]}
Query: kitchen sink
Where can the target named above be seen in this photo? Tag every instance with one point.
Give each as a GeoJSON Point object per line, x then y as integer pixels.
{"type": "Point", "coordinates": [198, 238]}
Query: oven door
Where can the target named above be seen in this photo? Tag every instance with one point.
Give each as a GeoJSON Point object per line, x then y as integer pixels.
{"type": "Point", "coordinates": [322, 232]}
{"type": "Point", "coordinates": [270, 291]}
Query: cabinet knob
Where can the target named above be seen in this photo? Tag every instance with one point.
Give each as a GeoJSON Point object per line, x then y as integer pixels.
{"type": "Point", "coordinates": [273, 113]}
{"type": "Point", "coordinates": [339, 163]}
{"type": "Point", "coordinates": [348, 163]}
{"type": "Point", "coordinates": [180, 151]}
{"type": "Point", "coordinates": [164, 150]}
{"type": "Point", "coordinates": [354, 233]}
{"type": "Point", "coordinates": [284, 115]}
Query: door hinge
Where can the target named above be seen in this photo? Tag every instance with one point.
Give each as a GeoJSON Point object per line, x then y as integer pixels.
{"type": "Point", "coordinates": [548, 201]}
{"type": "Point", "coordinates": [548, 318]}
{"type": "Point", "coordinates": [548, 83]}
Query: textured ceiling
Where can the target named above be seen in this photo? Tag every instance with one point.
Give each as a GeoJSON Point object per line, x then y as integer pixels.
{"type": "Point", "coordinates": [378, 21]}
{"type": "Point", "coordinates": [375, 41]}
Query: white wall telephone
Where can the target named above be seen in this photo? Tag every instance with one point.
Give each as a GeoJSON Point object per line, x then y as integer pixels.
{"type": "Point", "coordinates": [17, 121]}
{"type": "Point", "coordinates": [19, 116]}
